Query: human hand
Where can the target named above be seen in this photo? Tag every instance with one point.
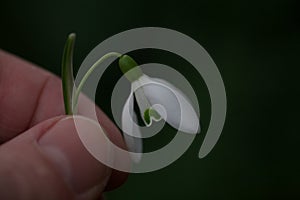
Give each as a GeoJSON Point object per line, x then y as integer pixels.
{"type": "Point", "coordinates": [41, 155]}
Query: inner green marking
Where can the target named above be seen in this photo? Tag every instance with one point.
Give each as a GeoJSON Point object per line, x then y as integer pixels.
{"type": "Point", "coordinates": [151, 113]}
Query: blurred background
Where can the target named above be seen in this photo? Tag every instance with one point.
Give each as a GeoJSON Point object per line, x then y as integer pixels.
{"type": "Point", "coordinates": [255, 45]}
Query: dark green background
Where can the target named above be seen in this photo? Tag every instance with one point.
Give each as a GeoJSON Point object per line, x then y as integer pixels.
{"type": "Point", "coordinates": [255, 44]}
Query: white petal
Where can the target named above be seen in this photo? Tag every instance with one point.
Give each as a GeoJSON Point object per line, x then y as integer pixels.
{"type": "Point", "coordinates": [131, 131]}
{"type": "Point", "coordinates": [147, 113]}
{"type": "Point", "coordinates": [180, 113]}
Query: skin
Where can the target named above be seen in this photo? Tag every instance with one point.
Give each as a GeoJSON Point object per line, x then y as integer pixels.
{"type": "Point", "coordinates": [41, 155]}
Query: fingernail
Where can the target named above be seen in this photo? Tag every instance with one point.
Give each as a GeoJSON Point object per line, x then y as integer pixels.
{"type": "Point", "coordinates": [63, 147]}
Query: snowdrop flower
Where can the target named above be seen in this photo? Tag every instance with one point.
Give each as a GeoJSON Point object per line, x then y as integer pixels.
{"type": "Point", "coordinates": [150, 92]}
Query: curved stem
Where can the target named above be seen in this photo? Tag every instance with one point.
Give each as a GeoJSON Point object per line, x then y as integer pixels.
{"type": "Point", "coordinates": [88, 73]}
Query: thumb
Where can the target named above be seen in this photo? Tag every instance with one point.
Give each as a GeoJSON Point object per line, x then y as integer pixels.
{"type": "Point", "coordinates": [49, 162]}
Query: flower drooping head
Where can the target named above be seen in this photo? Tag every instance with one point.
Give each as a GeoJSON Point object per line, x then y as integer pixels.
{"type": "Point", "coordinates": [149, 92]}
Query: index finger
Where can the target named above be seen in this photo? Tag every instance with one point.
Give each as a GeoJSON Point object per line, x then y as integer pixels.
{"type": "Point", "coordinates": [22, 87]}
{"type": "Point", "coordinates": [29, 95]}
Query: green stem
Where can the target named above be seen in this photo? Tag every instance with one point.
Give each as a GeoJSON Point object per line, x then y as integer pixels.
{"type": "Point", "coordinates": [89, 72]}
{"type": "Point", "coordinates": [67, 73]}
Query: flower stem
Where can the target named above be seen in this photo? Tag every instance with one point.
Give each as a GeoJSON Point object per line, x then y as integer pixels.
{"type": "Point", "coordinates": [89, 72]}
{"type": "Point", "coordinates": [67, 73]}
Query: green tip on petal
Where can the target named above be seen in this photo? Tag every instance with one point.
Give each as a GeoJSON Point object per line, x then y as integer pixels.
{"type": "Point", "coordinates": [149, 114]}
{"type": "Point", "coordinates": [130, 68]}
